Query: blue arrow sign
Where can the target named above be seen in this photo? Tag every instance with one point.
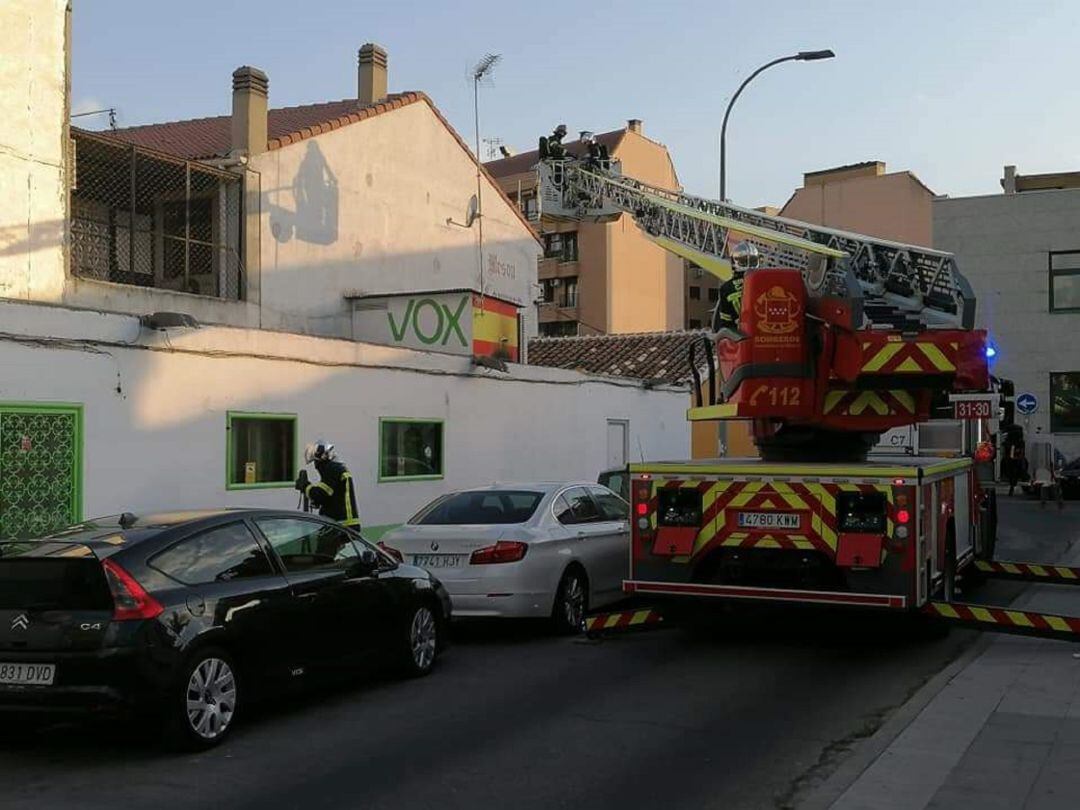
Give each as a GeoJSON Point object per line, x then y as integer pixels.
{"type": "Point", "coordinates": [1027, 403]}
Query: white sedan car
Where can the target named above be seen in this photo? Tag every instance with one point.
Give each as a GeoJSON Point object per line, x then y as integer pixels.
{"type": "Point", "coordinates": [540, 550]}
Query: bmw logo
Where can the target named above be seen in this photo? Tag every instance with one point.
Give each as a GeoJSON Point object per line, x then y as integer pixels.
{"type": "Point", "coordinates": [434, 546]}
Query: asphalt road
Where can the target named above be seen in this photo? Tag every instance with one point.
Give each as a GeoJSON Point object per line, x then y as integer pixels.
{"type": "Point", "coordinates": [742, 717]}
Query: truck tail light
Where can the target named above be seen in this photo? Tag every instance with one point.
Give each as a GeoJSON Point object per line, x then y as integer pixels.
{"type": "Point", "coordinates": [505, 551]}
{"type": "Point", "coordinates": [130, 600]}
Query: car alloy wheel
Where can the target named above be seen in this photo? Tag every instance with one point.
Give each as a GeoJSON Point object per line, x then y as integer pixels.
{"type": "Point", "coordinates": [573, 601]}
{"type": "Point", "coordinates": [423, 638]}
{"type": "Point", "coordinates": [211, 698]}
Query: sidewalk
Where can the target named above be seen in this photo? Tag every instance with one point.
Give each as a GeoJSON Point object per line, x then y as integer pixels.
{"type": "Point", "coordinates": [998, 729]}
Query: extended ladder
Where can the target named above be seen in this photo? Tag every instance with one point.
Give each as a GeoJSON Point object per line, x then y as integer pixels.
{"type": "Point", "coordinates": [900, 286]}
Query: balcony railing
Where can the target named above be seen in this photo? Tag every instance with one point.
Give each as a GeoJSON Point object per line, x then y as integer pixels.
{"type": "Point", "coordinates": [142, 218]}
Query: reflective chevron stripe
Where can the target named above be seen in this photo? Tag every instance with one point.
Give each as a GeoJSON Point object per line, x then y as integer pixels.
{"type": "Point", "coordinates": [622, 620]}
{"type": "Point", "coordinates": [1023, 622]}
{"type": "Point", "coordinates": [902, 357]}
{"type": "Point", "coordinates": [1030, 572]}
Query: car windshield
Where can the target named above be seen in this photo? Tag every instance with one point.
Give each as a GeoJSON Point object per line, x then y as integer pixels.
{"type": "Point", "coordinates": [481, 506]}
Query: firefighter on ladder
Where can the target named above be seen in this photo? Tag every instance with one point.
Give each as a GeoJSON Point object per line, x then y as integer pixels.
{"type": "Point", "coordinates": [333, 494]}
{"type": "Point", "coordinates": [744, 257]}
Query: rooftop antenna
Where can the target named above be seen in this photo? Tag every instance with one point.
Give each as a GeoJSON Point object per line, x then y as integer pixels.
{"type": "Point", "coordinates": [481, 72]}
{"type": "Point", "coordinates": [491, 147]}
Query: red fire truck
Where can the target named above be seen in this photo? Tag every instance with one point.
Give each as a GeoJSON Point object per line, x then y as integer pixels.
{"type": "Point", "coordinates": [840, 337]}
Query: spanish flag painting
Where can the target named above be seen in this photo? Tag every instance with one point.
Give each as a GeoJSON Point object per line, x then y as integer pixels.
{"type": "Point", "coordinates": [495, 328]}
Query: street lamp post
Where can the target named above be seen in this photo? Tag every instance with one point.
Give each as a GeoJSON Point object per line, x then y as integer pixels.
{"type": "Point", "coordinates": [801, 56]}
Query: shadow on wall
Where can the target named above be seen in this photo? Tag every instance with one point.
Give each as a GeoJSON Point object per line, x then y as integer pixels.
{"type": "Point", "coordinates": [313, 217]}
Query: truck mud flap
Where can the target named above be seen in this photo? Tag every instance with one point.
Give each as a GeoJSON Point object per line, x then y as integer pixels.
{"type": "Point", "coordinates": [1028, 572]}
{"type": "Point", "coordinates": [620, 621]}
{"type": "Point", "coordinates": [1004, 620]}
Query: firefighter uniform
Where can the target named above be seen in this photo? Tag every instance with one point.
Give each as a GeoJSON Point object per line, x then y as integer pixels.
{"type": "Point", "coordinates": [730, 307]}
{"type": "Point", "coordinates": [333, 494]}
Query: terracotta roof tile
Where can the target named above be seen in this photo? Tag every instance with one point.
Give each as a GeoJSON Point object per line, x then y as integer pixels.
{"type": "Point", "coordinates": [202, 138]}
{"type": "Point", "coordinates": [659, 356]}
{"type": "Point", "coordinates": [210, 137]}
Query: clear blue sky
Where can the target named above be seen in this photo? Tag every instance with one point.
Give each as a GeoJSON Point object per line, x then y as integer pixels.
{"type": "Point", "coordinates": [950, 90]}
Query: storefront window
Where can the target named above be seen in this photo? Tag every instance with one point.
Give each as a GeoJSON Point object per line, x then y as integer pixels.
{"type": "Point", "coordinates": [410, 449]}
{"type": "Point", "coordinates": [261, 450]}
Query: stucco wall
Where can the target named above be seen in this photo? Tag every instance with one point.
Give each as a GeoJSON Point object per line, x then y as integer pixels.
{"type": "Point", "coordinates": [155, 411]}
{"type": "Point", "coordinates": [33, 117]}
{"type": "Point", "coordinates": [364, 208]}
{"type": "Point", "coordinates": [892, 206]}
{"type": "Point", "coordinates": [645, 282]}
{"type": "Point", "coordinates": [1002, 244]}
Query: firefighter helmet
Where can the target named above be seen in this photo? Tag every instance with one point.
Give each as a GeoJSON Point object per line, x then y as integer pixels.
{"type": "Point", "coordinates": [318, 450]}
{"type": "Point", "coordinates": [745, 256]}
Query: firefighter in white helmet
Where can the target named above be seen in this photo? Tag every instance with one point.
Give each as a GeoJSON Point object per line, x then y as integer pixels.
{"type": "Point", "coordinates": [333, 494]}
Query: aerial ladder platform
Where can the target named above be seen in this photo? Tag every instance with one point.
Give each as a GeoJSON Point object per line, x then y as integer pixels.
{"type": "Point", "coordinates": [842, 336]}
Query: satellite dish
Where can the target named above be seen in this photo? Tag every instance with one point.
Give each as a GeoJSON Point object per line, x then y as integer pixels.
{"type": "Point", "coordinates": [472, 211]}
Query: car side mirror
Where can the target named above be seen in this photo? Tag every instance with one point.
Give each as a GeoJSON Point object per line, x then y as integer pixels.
{"type": "Point", "coordinates": [367, 562]}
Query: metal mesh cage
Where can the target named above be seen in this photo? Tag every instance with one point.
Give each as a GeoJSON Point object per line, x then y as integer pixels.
{"type": "Point", "coordinates": [138, 217]}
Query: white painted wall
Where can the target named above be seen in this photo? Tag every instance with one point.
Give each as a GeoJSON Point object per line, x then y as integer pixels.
{"type": "Point", "coordinates": [364, 208]}
{"type": "Point", "coordinates": [155, 409]}
{"type": "Point", "coordinates": [33, 115]}
{"type": "Point", "coordinates": [1002, 244]}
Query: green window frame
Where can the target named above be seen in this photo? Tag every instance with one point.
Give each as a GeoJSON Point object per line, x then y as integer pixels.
{"type": "Point", "coordinates": [231, 459]}
{"type": "Point", "coordinates": [75, 411]}
{"type": "Point", "coordinates": [389, 428]}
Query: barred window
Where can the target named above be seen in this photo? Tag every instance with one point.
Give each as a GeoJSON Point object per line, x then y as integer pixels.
{"type": "Point", "coordinates": [138, 217]}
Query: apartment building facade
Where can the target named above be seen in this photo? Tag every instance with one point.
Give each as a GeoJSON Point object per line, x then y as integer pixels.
{"type": "Point", "coordinates": [1021, 252]}
{"type": "Point", "coordinates": [865, 198]}
{"type": "Point", "coordinates": [601, 278]}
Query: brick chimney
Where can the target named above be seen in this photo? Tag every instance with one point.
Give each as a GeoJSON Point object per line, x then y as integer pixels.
{"type": "Point", "coordinates": [371, 74]}
{"type": "Point", "coordinates": [1008, 180]}
{"type": "Point", "coordinates": [249, 92]}
{"type": "Point", "coordinates": [634, 125]}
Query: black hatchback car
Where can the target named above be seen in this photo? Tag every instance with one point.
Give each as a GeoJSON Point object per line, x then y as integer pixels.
{"type": "Point", "coordinates": [194, 614]}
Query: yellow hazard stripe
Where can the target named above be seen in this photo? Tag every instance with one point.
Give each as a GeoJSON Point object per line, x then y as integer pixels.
{"type": "Point", "coordinates": [1057, 623]}
{"type": "Point", "coordinates": [936, 357]}
{"type": "Point", "coordinates": [832, 399]}
{"type": "Point", "coordinates": [883, 356]}
{"type": "Point", "coordinates": [1018, 618]}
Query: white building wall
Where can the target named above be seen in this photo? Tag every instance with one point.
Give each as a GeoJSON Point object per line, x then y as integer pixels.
{"type": "Point", "coordinates": [33, 120]}
{"type": "Point", "coordinates": [1002, 244]}
{"type": "Point", "coordinates": [155, 409]}
{"type": "Point", "coordinates": [365, 208]}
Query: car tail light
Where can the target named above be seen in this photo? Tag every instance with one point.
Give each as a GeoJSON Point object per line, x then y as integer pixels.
{"type": "Point", "coordinates": [393, 552]}
{"type": "Point", "coordinates": [505, 551]}
{"type": "Point", "coordinates": [130, 600]}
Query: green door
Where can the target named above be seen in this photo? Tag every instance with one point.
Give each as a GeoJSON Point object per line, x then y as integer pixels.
{"type": "Point", "coordinates": [40, 469]}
